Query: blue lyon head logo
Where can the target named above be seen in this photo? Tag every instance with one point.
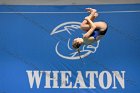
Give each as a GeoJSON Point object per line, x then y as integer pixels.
{"type": "Point", "coordinates": [64, 48]}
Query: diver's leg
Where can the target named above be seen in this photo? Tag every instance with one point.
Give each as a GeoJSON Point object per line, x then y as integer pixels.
{"type": "Point", "coordinates": [85, 25]}
{"type": "Point", "coordinates": [93, 13]}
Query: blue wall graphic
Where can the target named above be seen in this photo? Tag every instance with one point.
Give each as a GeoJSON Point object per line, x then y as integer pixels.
{"type": "Point", "coordinates": [40, 37]}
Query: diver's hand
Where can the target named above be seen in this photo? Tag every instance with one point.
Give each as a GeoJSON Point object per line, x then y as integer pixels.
{"type": "Point", "coordinates": [86, 35]}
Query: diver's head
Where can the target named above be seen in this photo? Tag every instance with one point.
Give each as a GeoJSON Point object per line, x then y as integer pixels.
{"type": "Point", "coordinates": [77, 43]}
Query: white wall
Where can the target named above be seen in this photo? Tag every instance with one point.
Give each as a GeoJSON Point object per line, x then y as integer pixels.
{"type": "Point", "coordinates": [66, 2]}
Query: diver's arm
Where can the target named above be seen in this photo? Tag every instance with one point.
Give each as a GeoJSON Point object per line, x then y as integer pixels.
{"type": "Point", "coordinates": [87, 35]}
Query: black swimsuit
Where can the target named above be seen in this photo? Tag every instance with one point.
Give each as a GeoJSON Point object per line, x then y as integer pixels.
{"type": "Point", "coordinates": [97, 32]}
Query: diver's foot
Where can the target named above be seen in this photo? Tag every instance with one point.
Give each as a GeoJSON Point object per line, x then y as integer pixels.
{"type": "Point", "coordinates": [90, 10]}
